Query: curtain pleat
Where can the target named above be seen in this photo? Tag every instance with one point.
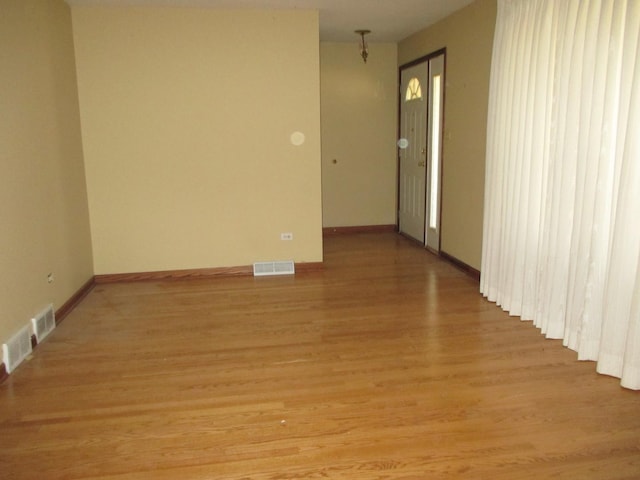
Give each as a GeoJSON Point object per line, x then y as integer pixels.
{"type": "Point", "coordinates": [561, 240]}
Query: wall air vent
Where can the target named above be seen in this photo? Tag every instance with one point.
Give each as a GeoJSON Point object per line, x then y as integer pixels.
{"type": "Point", "coordinates": [16, 349]}
{"type": "Point", "coordinates": [43, 323]}
{"type": "Point", "coordinates": [273, 268]}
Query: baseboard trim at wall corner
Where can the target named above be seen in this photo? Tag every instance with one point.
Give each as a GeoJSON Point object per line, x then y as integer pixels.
{"type": "Point", "coordinates": [74, 300]}
{"type": "Point", "coordinates": [466, 268]}
{"type": "Point", "coordinates": [3, 373]}
{"type": "Point", "coordinates": [307, 267]}
{"type": "Point", "coordinates": [195, 273]}
{"type": "Point", "coordinates": [329, 231]}
{"type": "Point", "coordinates": [60, 315]}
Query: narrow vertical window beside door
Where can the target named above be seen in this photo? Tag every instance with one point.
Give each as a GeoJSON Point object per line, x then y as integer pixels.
{"type": "Point", "coordinates": [435, 154]}
{"type": "Point", "coordinates": [434, 148]}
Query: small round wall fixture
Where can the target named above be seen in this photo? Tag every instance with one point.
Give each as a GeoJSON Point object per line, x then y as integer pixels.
{"type": "Point", "coordinates": [297, 138]}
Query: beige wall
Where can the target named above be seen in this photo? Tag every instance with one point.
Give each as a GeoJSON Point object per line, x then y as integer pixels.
{"type": "Point", "coordinates": [468, 38]}
{"type": "Point", "coordinates": [359, 124]}
{"type": "Point", "coordinates": [187, 116]}
{"type": "Point", "coordinates": [43, 212]}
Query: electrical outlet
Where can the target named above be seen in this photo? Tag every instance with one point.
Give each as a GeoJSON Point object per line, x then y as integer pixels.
{"type": "Point", "coordinates": [286, 236]}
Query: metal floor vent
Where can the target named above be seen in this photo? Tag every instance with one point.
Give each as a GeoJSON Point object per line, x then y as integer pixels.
{"type": "Point", "coordinates": [273, 268]}
{"type": "Point", "coordinates": [44, 323]}
{"type": "Point", "coordinates": [16, 349]}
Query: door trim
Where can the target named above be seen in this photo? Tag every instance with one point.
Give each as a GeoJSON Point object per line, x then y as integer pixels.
{"type": "Point", "coordinates": [425, 58]}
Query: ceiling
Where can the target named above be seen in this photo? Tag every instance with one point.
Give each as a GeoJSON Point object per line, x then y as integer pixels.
{"type": "Point", "coordinates": [388, 20]}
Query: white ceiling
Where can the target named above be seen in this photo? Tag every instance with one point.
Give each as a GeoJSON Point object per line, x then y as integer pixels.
{"type": "Point", "coordinates": [388, 20]}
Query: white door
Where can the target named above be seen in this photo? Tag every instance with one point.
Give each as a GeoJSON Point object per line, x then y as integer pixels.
{"type": "Point", "coordinates": [419, 147]}
{"type": "Point", "coordinates": [412, 151]}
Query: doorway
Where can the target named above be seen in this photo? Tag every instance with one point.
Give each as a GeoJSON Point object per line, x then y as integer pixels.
{"type": "Point", "coordinates": [420, 149]}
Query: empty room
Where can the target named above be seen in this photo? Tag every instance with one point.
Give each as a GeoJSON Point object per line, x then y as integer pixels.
{"type": "Point", "coordinates": [290, 239]}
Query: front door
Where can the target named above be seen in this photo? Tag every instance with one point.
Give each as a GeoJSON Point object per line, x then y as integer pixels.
{"type": "Point", "coordinates": [412, 151]}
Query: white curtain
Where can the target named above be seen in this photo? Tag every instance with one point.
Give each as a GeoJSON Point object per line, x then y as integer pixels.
{"type": "Point", "coordinates": [561, 240]}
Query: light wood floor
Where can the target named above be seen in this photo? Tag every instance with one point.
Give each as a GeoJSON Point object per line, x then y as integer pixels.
{"type": "Point", "coordinates": [388, 364]}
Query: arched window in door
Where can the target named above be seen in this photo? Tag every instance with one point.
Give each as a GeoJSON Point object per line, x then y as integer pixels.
{"type": "Point", "coordinates": [414, 90]}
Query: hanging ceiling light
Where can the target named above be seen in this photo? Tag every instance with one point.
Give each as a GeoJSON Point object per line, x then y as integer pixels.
{"type": "Point", "coordinates": [364, 50]}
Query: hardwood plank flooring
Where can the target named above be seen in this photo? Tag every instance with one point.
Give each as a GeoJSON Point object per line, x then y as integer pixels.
{"type": "Point", "coordinates": [387, 364]}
